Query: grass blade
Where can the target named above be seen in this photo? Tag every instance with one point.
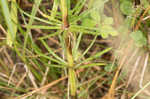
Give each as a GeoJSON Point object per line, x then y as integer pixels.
{"type": "Point", "coordinates": [33, 13]}
{"type": "Point", "coordinates": [43, 27]}
{"type": "Point", "coordinates": [75, 49]}
{"type": "Point", "coordinates": [98, 54]}
{"type": "Point", "coordinates": [88, 47]}
{"type": "Point", "coordinates": [91, 65]}
{"type": "Point", "coordinates": [9, 23]}
{"type": "Point", "coordinates": [51, 52]}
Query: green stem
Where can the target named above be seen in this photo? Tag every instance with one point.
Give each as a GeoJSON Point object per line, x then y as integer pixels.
{"type": "Point", "coordinates": [72, 81]}
{"type": "Point", "coordinates": [71, 71]}
{"type": "Point", "coordinates": [64, 13]}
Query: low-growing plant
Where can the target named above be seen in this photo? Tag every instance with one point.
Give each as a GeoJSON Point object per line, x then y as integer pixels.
{"type": "Point", "coordinates": [52, 40]}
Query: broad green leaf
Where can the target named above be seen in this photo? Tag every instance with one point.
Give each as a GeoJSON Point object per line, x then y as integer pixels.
{"type": "Point", "coordinates": [107, 30]}
{"type": "Point", "coordinates": [139, 38]}
{"type": "Point", "coordinates": [126, 7]}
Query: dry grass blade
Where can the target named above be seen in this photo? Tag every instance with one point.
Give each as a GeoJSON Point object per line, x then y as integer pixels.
{"type": "Point", "coordinates": [44, 87]}
{"type": "Point", "coordinates": [111, 92]}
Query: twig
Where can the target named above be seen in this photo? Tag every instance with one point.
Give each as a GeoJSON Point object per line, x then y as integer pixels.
{"type": "Point", "coordinates": [141, 18]}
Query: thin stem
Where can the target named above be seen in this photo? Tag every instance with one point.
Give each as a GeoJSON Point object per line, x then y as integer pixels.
{"type": "Point", "coordinates": [64, 14]}
{"type": "Point", "coordinates": [71, 71]}
{"type": "Point", "coordinates": [141, 18]}
{"type": "Point", "coordinates": [68, 45]}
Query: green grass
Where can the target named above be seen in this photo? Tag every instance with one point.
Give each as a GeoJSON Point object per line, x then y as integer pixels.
{"type": "Point", "coordinates": [44, 54]}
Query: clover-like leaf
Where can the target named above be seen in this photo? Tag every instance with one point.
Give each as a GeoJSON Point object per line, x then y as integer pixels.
{"type": "Point", "coordinates": [128, 21]}
{"type": "Point", "coordinates": [126, 7]}
{"type": "Point", "coordinates": [107, 30]}
{"type": "Point", "coordinates": [139, 38]}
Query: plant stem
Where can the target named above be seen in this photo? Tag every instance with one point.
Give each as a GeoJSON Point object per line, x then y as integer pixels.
{"type": "Point", "coordinates": [64, 13]}
{"type": "Point", "coordinates": [71, 71]}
